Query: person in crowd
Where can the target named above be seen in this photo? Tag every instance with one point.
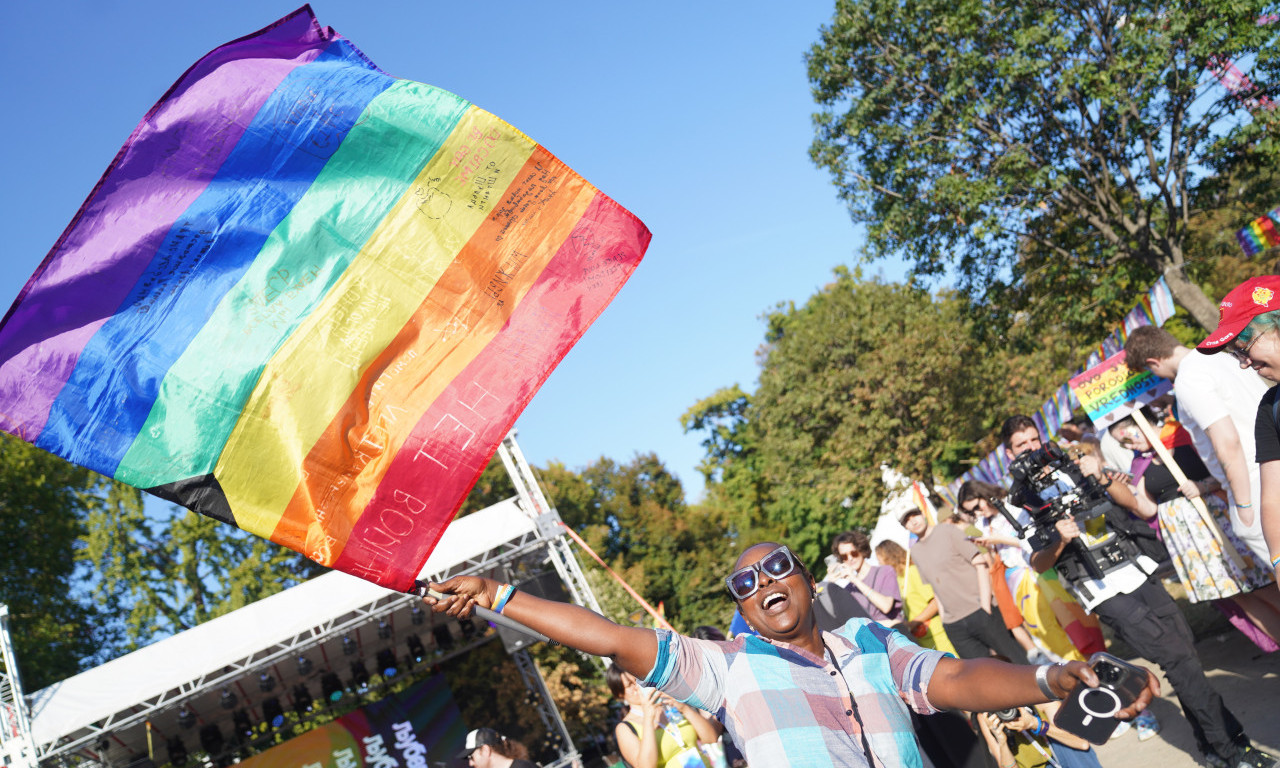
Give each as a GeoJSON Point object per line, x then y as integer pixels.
{"type": "Point", "coordinates": [486, 748]}
{"type": "Point", "coordinates": [957, 571]}
{"type": "Point", "coordinates": [658, 731]}
{"type": "Point", "coordinates": [1217, 405]}
{"type": "Point", "coordinates": [874, 587]}
{"type": "Point", "coordinates": [1208, 569]}
{"type": "Point", "coordinates": [992, 532]}
{"type": "Point", "coordinates": [1249, 330]}
{"type": "Point", "coordinates": [1132, 602]}
{"type": "Point", "coordinates": [1029, 739]}
{"type": "Point", "coordinates": [919, 606]}
{"type": "Point", "coordinates": [1010, 575]}
{"type": "Point", "coordinates": [793, 695]}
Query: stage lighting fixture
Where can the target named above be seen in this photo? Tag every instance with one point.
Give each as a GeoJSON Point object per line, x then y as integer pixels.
{"type": "Point", "coordinates": [211, 740]}
{"type": "Point", "coordinates": [349, 646]}
{"type": "Point", "coordinates": [186, 718]}
{"type": "Point", "coordinates": [444, 638]}
{"type": "Point", "coordinates": [304, 666]}
{"type": "Point", "coordinates": [301, 700]}
{"type": "Point", "coordinates": [468, 628]}
{"type": "Point", "coordinates": [272, 712]}
{"type": "Point", "coordinates": [331, 687]}
{"type": "Point", "coordinates": [384, 630]}
{"type": "Point", "coordinates": [266, 683]}
{"type": "Point", "coordinates": [416, 651]}
{"type": "Point", "coordinates": [387, 662]}
{"type": "Point", "coordinates": [417, 615]}
{"type": "Point", "coordinates": [229, 699]}
{"type": "Point", "coordinates": [102, 744]}
{"type": "Point", "coordinates": [241, 723]}
{"type": "Point", "coordinates": [177, 751]}
{"type": "Point", "coordinates": [359, 676]}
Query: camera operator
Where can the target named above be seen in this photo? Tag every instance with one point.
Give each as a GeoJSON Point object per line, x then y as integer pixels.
{"type": "Point", "coordinates": [1109, 568]}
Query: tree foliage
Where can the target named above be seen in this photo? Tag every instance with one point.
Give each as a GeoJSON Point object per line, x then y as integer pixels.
{"type": "Point", "coordinates": [864, 374]}
{"type": "Point", "coordinates": [43, 504]}
{"type": "Point", "coordinates": [165, 569]}
{"type": "Point", "coordinates": [970, 134]}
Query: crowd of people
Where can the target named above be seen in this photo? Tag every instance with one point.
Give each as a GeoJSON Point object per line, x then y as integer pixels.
{"type": "Point", "coordinates": [954, 644]}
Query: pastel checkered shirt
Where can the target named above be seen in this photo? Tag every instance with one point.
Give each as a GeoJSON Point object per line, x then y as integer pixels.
{"type": "Point", "coordinates": [783, 706]}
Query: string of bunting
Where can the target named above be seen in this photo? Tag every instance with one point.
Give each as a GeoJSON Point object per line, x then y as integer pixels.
{"type": "Point", "coordinates": [1154, 308]}
{"type": "Point", "coordinates": [1261, 233]}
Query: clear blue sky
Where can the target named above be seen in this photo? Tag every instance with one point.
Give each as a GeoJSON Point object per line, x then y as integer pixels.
{"type": "Point", "coordinates": [693, 115]}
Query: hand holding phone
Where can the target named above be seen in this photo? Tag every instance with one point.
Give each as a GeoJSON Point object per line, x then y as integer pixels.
{"type": "Point", "coordinates": [1090, 712]}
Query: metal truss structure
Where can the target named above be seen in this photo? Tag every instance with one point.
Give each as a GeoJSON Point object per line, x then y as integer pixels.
{"type": "Point", "coordinates": [93, 745]}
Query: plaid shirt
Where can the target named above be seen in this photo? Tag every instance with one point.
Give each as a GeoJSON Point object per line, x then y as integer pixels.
{"type": "Point", "coordinates": [784, 706]}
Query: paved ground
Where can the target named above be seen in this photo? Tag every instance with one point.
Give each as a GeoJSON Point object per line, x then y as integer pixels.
{"type": "Point", "coordinates": [1248, 680]}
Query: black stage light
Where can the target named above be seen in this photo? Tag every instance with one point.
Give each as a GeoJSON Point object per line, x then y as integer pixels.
{"type": "Point", "coordinates": [331, 686]}
{"type": "Point", "coordinates": [211, 740]}
{"type": "Point", "coordinates": [186, 718]}
{"type": "Point", "coordinates": [242, 724]}
{"type": "Point", "coordinates": [468, 628]}
{"type": "Point", "coordinates": [349, 646]}
{"type": "Point", "coordinates": [177, 751]}
{"type": "Point", "coordinates": [417, 615]}
{"type": "Point", "coordinates": [229, 699]}
{"type": "Point", "coordinates": [416, 651]}
{"type": "Point", "coordinates": [266, 683]}
{"type": "Point", "coordinates": [359, 676]}
{"type": "Point", "coordinates": [384, 630]}
{"type": "Point", "coordinates": [387, 662]}
{"type": "Point", "coordinates": [444, 638]}
{"type": "Point", "coordinates": [304, 666]}
{"type": "Point", "coordinates": [301, 700]}
{"type": "Point", "coordinates": [272, 712]}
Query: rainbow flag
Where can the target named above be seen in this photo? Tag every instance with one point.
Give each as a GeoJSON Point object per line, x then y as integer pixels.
{"type": "Point", "coordinates": [1261, 234]}
{"type": "Point", "coordinates": [309, 299]}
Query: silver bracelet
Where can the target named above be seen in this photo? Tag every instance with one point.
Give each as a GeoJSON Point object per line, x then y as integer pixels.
{"type": "Point", "coordinates": [1042, 680]}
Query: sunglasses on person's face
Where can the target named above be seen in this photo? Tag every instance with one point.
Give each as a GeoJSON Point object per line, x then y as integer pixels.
{"type": "Point", "coordinates": [971, 510]}
{"type": "Point", "coordinates": [778, 564]}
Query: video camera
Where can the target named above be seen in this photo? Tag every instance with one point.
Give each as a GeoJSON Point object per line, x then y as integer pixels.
{"type": "Point", "coordinates": [1048, 484]}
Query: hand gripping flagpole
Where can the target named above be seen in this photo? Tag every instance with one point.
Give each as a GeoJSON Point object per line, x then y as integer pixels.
{"type": "Point", "coordinates": [421, 589]}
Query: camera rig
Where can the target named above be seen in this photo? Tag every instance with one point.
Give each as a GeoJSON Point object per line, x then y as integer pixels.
{"type": "Point", "coordinates": [1048, 484]}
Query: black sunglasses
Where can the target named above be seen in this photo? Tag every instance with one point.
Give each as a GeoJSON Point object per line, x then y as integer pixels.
{"type": "Point", "coordinates": [778, 564]}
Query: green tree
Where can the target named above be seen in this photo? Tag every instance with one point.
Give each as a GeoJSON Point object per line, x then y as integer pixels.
{"type": "Point", "coordinates": [867, 373]}
{"type": "Point", "coordinates": [966, 134]}
{"type": "Point", "coordinates": [43, 504]}
{"type": "Point", "coordinates": [167, 569]}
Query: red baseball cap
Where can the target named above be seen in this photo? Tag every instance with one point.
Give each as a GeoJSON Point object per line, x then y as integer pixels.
{"type": "Point", "coordinates": [1253, 297]}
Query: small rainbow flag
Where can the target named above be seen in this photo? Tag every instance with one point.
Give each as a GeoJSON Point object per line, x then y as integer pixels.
{"type": "Point", "coordinates": [1261, 234]}
{"type": "Point", "coordinates": [309, 299]}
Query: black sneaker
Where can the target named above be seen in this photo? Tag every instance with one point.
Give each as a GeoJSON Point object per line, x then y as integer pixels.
{"type": "Point", "coordinates": [1255, 758]}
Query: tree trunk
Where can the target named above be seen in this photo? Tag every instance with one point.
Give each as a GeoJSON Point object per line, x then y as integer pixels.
{"type": "Point", "coordinates": [1189, 296]}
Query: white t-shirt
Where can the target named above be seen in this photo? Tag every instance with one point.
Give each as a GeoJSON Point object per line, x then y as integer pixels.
{"type": "Point", "coordinates": [1209, 388]}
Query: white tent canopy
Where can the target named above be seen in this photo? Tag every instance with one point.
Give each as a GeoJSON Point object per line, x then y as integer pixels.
{"type": "Point", "coordinates": [256, 637]}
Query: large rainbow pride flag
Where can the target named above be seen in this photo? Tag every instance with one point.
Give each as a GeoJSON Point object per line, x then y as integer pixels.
{"type": "Point", "coordinates": [310, 299]}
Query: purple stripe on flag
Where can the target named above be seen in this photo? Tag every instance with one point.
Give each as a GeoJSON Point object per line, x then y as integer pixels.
{"type": "Point", "coordinates": [158, 173]}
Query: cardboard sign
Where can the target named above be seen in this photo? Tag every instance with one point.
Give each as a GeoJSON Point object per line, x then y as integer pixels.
{"type": "Point", "coordinates": [1111, 390]}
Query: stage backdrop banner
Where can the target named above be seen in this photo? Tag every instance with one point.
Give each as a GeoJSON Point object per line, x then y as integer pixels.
{"type": "Point", "coordinates": [309, 299]}
{"type": "Point", "coordinates": [416, 728]}
{"type": "Point", "coordinates": [1112, 390]}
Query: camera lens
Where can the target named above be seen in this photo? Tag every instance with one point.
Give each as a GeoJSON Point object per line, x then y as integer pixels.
{"type": "Point", "coordinates": [1007, 715]}
{"type": "Point", "coordinates": [1108, 673]}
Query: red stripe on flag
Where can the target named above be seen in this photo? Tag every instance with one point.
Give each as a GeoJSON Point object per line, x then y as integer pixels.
{"type": "Point", "coordinates": [454, 440]}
